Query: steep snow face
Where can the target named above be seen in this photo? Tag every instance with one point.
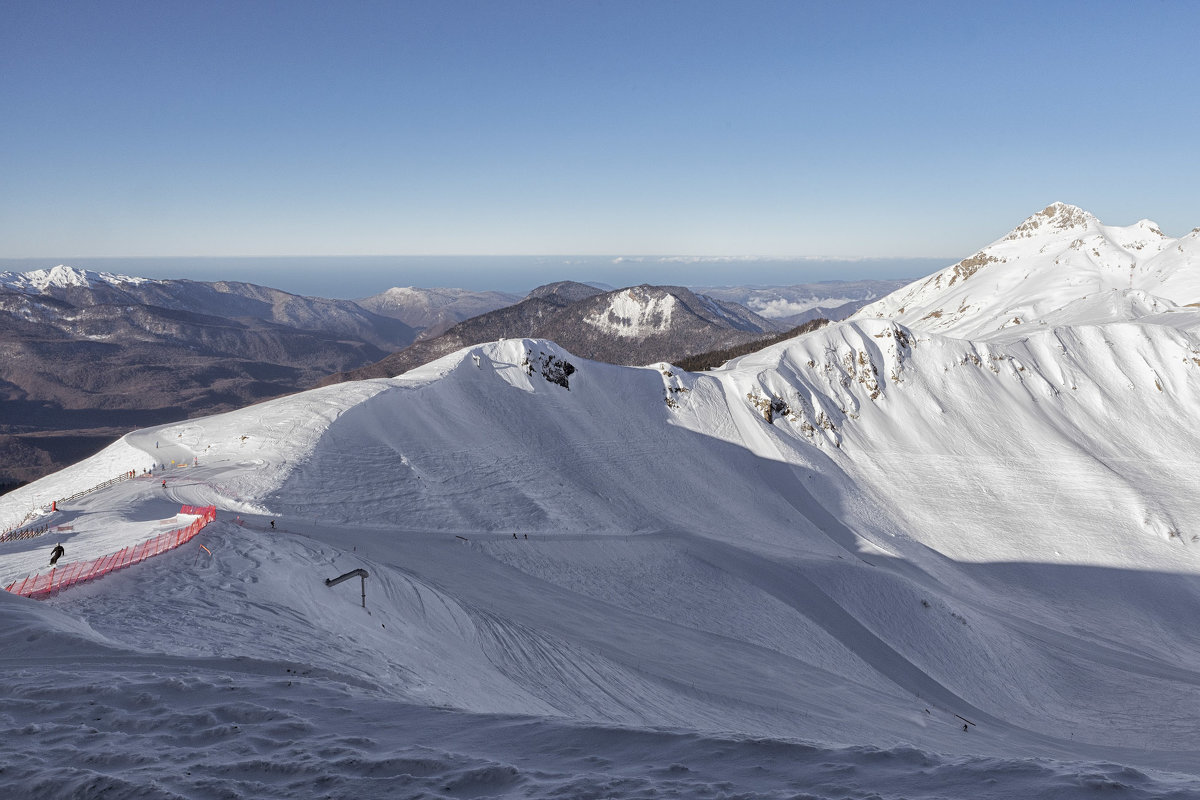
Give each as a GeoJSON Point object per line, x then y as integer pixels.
{"type": "Point", "coordinates": [635, 313]}
{"type": "Point", "coordinates": [63, 277]}
{"type": "Point", "coordinates": [1071, 445]}
{"type": "Point", "coordinates": [1057, 257]}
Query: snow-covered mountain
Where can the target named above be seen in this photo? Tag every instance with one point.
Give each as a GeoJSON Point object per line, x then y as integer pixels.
{"type": "Point", "coordinates": [41, 281]}
{"type": "Point", "coordinates": [1061, 266]}
{"type": "Point", "coordinates": [84, 288]}
{"type": "Point", "coordinates": [875, 560]}
{"type": "Point", "coordinates": [434, 311]}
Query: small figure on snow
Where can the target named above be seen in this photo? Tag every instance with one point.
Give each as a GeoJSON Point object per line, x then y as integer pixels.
{"type": "Point", "coordinates": [164, 483]}
{"type": "Point", "coordinates": [57, 553]}
{"type": "Point", "coordinates": [272, 524]}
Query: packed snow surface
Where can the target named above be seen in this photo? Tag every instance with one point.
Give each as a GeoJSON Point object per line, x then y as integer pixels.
{"type": "Point", "coordinates": [879, 560]}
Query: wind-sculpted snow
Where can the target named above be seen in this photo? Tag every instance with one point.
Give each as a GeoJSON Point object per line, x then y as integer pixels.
{"type": "Point", "coordinates": [874, 560]}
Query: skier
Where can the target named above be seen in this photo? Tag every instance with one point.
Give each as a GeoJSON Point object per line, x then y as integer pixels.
{"type": "Point", "coordinates": [164, 483]}
{"type": "Point", "coordinates": [272, 524]}
{"type": "Point", "coordinates": [57, 553]}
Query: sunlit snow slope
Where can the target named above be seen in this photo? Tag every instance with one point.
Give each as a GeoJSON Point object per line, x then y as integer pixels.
{"type": "Point", "coordinates": [1061, 267]}
{"type": "Point", "coordinates": [896, 556]}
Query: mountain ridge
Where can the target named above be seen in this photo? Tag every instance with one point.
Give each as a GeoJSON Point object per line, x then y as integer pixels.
{"type": "Point", "coordinates": [631, 325]}
{"type": "Point", "coordinates": [86, 356]}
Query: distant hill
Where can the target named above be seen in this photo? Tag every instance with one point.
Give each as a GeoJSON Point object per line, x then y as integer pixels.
{"type": "Point", "coordinates": [434, 311]}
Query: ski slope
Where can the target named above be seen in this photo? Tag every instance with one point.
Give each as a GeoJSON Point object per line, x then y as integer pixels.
{"type": "Point", "coordinates": [637, 584]}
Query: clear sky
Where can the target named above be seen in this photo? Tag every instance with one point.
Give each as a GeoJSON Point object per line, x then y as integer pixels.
{"type": "Point", "coordinates": [880, 129]}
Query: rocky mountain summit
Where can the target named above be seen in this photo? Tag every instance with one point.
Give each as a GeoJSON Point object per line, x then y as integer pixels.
{"type": "Point", "coordinates": [1058, 266]}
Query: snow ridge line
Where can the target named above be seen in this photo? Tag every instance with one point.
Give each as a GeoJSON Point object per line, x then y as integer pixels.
{"type": "Point", "coordinates": [41, 586]}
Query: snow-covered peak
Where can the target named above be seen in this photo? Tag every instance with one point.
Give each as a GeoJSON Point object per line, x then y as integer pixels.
{"type": "Point", "coordinates": [1053, 260]}
{"type": "Point", "coordinates": [1054, 218]}
{"type": "Point", "coordinates": [413, 293]}
{"type": "Point", "coordinates": [64, 277]}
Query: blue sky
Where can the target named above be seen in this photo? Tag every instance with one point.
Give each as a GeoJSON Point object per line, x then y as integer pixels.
{"type": "Point", "coordinates": [879, 129]}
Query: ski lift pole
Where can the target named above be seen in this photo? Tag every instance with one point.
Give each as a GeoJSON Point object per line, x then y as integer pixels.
{"type": "Point", "coordinates": [362, 573]}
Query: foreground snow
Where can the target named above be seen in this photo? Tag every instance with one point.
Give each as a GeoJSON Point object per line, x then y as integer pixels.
{"type": "Point", "coordinates": [929, 532]}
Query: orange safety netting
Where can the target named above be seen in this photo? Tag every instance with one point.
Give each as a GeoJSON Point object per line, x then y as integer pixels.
{"type": "Point", "coordinates": [70, 574]}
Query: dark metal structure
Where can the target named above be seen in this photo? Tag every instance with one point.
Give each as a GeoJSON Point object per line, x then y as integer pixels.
{"type": "Point", "coordinates": [362, 573]}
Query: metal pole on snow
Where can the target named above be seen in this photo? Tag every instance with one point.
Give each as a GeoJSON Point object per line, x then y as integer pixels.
{"type": "Point", "coordinates": [362, 573]}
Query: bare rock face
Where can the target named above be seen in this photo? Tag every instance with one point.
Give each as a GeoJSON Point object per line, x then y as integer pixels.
{"type": "Point", "coordinates": [554, 369]}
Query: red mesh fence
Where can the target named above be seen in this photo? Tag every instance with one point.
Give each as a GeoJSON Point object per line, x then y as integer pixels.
{"type": "Point", "coordinates": [58, 578]}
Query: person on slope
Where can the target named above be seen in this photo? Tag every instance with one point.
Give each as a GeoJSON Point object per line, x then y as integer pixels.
{"type": "Point", "coordinates": [57, 553]}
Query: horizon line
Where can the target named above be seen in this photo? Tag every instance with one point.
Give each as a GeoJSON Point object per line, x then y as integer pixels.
{"type": "Point", "coordinates": [616, 257]}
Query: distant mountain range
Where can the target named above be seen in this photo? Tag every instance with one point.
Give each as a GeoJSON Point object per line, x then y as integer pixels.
{"type": "Point", "coordinates": [435, 311]}
{"type": "Point", "coordinates": [87, 355]}
{"type": "Point", "coordinates": [636, 325]}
